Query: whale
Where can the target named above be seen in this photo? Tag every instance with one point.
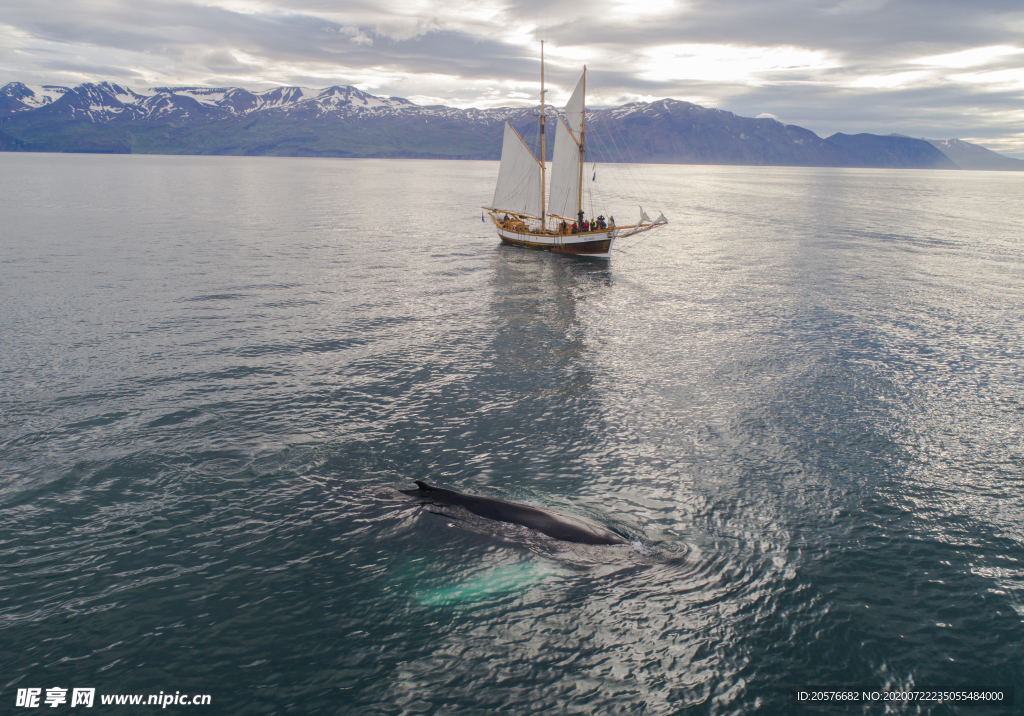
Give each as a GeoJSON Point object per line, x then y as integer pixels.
{"type": "Point", "coordinates": [567, 528]}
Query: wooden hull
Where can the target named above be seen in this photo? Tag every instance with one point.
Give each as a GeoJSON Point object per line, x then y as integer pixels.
{"type": "Point", "coordinates": [594, 244]}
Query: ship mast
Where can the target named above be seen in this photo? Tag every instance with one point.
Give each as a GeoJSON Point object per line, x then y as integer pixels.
{"type": "Point", "coordinates": [543, 143]}
{"type": "Point", "coordinates": [583, 123]}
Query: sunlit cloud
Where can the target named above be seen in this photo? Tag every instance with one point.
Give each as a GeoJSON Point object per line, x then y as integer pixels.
{"type": "Point", "coordinates": [729, 63]}
{"type": "Point", "coordinates": [898, 80]}
{"type": "Point", "coordinates": [480, 93]}
{"type": "Point", "coordinates": [635, 13]}
{"type": "Point", "coordinates": [1007, 79]}
{"type": "Point", "coordinates": [242, 7]}
{"type": "Point", "coordinates": [574, 55]}
{"type": "Point", "coordinates": [968, 58]}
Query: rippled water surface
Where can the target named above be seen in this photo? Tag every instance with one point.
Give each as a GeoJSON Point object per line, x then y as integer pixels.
{"type": "Point", "coordinates": [802, 402]}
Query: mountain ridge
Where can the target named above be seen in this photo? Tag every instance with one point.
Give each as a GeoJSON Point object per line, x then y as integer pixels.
{"type": "Point", "coordinates": [344, 121]}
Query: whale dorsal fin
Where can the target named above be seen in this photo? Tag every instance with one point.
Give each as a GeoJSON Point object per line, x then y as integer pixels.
{"type": "Point", "coordinates": [425, 487]}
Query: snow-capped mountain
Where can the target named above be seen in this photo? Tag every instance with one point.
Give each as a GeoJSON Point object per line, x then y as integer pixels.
{"type": "Point", "coordinates": [18, 97]}
{"type": "Point", "coordinates": [336, 121]}
{"type": "Point", "coordinates": [104, 101]}
{"type": "Point", "coordinates": [347, 122]}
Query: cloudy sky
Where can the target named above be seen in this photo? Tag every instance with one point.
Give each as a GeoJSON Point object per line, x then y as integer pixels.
{"type": "Point", "coordinates": [925, 68]}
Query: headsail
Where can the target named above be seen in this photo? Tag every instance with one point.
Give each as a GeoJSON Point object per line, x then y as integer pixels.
{"type": "Point", "coordinates": [565, 162]}
{"type": "Point", "coordinates": [519, 179]}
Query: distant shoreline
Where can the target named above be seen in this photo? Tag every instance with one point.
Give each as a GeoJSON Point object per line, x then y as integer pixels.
{"type": "Point", "coordinates": [344, 122]}
{"type": "Point", "coordinates": [495, 161]}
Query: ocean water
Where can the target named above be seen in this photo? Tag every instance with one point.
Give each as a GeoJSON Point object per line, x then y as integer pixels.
{"type": "Point", "coordinates": [802, 402]}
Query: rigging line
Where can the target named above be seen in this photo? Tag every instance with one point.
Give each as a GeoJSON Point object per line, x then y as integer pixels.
{"type": "Point", "coordinates": [616, 171]}
{"type": "Point", "coordinates": [642, 181]}
{"type": "Point", "coordinates": [623, 145]}
{"type": "Point", "coordinates": [649, 235]}
{"type": "Point", "coordinates": [612, 144]}
{"type": "Point", "coordinates": [636, 192]}
{"type": "Point", "coordinates": [603, 155]}
{"type": "Point", "coordinates": [596, 190]}
{"type": "Point", "coordinates": [641, 193]}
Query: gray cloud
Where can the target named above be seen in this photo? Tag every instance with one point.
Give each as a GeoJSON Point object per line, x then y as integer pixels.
{"type": "Point", "coordinates": [828, 65]}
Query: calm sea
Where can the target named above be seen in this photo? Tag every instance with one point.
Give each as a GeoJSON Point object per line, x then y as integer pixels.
{"type": "Point", "coordinates": [802, 401]}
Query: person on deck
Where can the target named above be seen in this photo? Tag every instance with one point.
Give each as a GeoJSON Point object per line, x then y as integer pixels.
{"type": "Point", "coordinates": [611, 222]}
{"type": "Point", "coordinates": [600, 223]}
{"type": "Point", "coordinates": [563, 227]}
{"type": "Point", "coordinates": [575, 228]}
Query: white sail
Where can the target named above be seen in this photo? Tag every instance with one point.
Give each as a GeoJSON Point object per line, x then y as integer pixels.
{"type": "Point", "coordinates": [519, 181]}
{"type": "Point", "coordinates": [574, 109]}
{"type": "Point", "coordinates": [565, 162]}
{"type": "Point", "coordinates": [565, 174]}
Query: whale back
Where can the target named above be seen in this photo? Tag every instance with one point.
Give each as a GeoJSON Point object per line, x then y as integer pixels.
{"type": "Point", "coordinates": [567, 528]}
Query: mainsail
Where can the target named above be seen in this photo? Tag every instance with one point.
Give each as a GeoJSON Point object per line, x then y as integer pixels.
{"type": "Point", "coordinates": [565, 162]}
{"type": "Point", "coordinates": [519, 178]}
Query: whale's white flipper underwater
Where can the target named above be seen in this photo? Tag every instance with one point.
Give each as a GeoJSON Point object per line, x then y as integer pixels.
{"type": "Point", "coordinates": [493, 583]}
{"type": "Point", "coordinates": [558, 526]}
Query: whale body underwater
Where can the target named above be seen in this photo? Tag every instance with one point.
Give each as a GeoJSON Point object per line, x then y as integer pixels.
{"type": "Point", "coordinates": [555, 525]}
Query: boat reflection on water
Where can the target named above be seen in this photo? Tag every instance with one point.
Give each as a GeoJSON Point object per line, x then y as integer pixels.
{"type": "Point", "coordinates": [538, 302]}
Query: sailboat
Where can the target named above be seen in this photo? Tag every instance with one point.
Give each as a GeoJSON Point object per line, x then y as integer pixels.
{"type": "Point", "coordinates": [527, 215]}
